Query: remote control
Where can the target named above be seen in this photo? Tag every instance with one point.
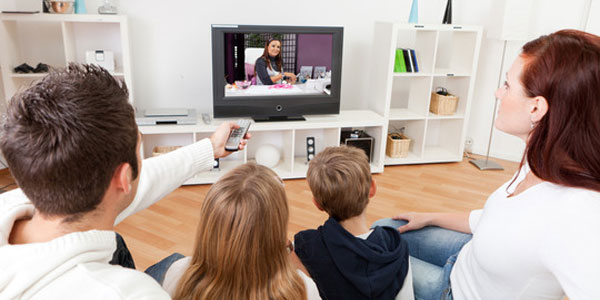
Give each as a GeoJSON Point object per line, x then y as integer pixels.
{"type": "Point", "coordinates": [206, 119]}
{"type": "Point", "coordinates": [237, 135]}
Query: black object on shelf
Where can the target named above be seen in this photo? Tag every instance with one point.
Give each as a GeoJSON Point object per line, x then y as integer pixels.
{"type": "Point", "coordinates": [41, 68]}
{"type": "Point", "coordinates": [448, 13]}
{"type": "Point", "coordinates": [358, 139]}
{"type": "Point", "coordinates": [310, 148]}
{"type": "Point", "coordinates": [26, 68]}
{"type": "Point", "coordinates": [216, 165]}
{"type": "Point", "coordinates": [407, 61]}
{"type": "Point", "coordinates": [440, 90]}
{"type": "Point", "coordinates": [23, 68]}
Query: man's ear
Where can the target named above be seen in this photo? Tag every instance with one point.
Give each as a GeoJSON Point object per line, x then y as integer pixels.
{"type": "Point", "coordinates": [373, 189]}
{"type": "Point", "coordinates": [317, 204]}
{"type": "Point", "coordinates": [539, 108]}
{"type": "Point", "coordinates": [122, 178]}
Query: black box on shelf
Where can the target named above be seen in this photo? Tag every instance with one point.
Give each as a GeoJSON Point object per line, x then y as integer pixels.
{"type": "Point", "coordinates": [359, 139]}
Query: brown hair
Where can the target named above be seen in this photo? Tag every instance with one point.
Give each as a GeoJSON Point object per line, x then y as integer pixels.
{"type": "Point", "coordinates": [266, 57]}
{"type": "Point", "coordinates": [564, 68]}
{"type": "Point", "coordinates": [340, 180]}
{"type": "Point", "coordinates": [64, 137]}
{"type": "Point", "coordinates": [240, 250]}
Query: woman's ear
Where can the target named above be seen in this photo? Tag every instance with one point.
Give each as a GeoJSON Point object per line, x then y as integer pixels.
{"type": "Point", "coordinates": [539, 108]}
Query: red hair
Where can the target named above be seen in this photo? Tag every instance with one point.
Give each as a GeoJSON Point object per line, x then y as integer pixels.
{"type": "Point", "coordinates": [564, 68]}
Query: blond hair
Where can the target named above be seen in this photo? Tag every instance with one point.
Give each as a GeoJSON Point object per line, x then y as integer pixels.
{"type": "Point", "coordinates": [340, 180]}
{"type": "Point", "coordinates": [240, 250]}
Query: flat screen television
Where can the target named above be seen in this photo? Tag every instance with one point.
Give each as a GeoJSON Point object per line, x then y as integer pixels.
{"type": "Point", "coordinates": [247, 84]}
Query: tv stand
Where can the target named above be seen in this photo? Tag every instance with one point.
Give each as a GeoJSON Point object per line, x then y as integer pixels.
{"type": "Point", "coordinates": [288, 137]}
{"type": "Point", "coordinates": [279, 118]}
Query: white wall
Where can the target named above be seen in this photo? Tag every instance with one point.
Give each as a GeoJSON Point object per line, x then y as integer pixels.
{"type": "Point", "coordinates": [171, 47]}
{"type": "Point", "coordinates": [593, 18]}
{"type": "Point", "coordinates": [548, 16]}
{"type": "Point", "coordinates": [171, 50]}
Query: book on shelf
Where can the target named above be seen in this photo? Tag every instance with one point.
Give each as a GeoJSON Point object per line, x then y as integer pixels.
{"type": "Point", "coordinates": [410, 60]}
{"type": "Point", "coordinates": [414, 60]}
{"type": "Point", "coordinates": [406, 61]}
{"type": "Point", "coordinates": [399, 64]}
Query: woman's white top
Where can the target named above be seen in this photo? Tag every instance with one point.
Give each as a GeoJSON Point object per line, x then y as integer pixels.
{"type": "Point", "coordinates": [539, 244]}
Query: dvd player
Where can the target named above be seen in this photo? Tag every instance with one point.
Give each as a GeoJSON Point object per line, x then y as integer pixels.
{"type": "Point", "coordinates": [166, 116]}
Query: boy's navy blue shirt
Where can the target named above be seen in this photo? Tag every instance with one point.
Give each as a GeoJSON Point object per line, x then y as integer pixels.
{"type": "Point", "coordinates": [346, 267]}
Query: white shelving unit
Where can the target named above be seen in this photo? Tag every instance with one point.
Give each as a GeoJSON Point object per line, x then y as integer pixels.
{"type": "Point", "coordinates": [447, 56]}
{"type": "Point", "coordinates": [288, 137]}
{"type": "Point", "coordinates": [58, 39]}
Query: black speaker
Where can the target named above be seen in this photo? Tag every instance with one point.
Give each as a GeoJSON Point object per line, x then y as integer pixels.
{"type": "Point", "coordinates": [310, 148]}
{"type": "Point", "coordinates": [358, 139]}
{"type": "Point", "coordinates": [216, 165]}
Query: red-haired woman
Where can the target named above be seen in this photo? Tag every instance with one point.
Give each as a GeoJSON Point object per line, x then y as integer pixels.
{"type": "Point", "coordinates": [538, 235]}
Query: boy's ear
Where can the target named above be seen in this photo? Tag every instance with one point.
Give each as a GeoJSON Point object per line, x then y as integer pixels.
{"type": "Point", "coordinates": [317, 204]}
{"type": "Point", "coordinates": [373, 189]}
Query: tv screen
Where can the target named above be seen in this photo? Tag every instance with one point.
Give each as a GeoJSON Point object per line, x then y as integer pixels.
{"type": "Point", "coordinates": [274, 73]}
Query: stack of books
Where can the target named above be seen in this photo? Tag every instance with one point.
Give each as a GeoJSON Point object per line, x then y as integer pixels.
{"type": "Point", "coordinates": [406, 61]}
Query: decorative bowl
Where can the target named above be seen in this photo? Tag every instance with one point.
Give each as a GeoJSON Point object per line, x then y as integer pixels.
{"type": "Point", "coordinates": [243, 84]}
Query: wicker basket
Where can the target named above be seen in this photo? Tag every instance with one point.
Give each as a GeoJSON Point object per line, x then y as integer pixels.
{"type": "Point", "coordinates": [160, 150]}
{"type": "Point", "coordinates": [443, 105]}
{"type": "Point", "coordinates": [397, 148]}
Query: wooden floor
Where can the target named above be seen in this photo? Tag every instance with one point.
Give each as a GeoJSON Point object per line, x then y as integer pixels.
{"type": "Point", "coordinates": [169, 225]}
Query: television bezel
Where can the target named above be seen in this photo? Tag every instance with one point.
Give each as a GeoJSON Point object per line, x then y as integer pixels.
{"type": "Point", "coordinates": [275, 107]}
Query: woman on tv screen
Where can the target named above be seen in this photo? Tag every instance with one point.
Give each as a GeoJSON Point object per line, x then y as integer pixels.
{"type": "Point", "coordinates": [269, 67]}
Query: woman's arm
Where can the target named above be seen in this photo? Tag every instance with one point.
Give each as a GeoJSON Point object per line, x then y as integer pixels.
{"type": "Point", "coordinates": [453, 221]}
{"type": "Point", "coordinates": [276, 78]}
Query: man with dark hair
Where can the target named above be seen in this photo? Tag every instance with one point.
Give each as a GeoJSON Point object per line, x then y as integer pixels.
{"type": "Point", "coordinates": [72, 145]}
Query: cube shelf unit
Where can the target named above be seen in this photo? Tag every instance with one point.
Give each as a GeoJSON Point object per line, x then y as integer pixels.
{"type": "Point", "coordinates": [288, 137]}
{"type": "Point", "coordinates": [447, 57]}
{"type": "Point", "coordinates": [57, 40]}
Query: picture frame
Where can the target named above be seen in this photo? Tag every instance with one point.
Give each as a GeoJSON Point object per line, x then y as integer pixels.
{"type": "Point", "coordinates": [306, 72]}
{"type": "Point", "coordinates": [320, 72]}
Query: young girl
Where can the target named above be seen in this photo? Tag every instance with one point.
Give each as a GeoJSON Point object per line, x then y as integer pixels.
{"type": "Point", "coordinates": [241, 241]}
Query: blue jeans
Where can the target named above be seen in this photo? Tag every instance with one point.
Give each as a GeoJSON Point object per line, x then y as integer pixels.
{"type": "Point", "coordinates": [433, 251]}
{"type": "Point", "coordinates": [159, 269]}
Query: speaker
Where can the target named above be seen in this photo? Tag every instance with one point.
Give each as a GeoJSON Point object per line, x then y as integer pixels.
{"type": "Point", "coordinates": [216, 165]}
{"type": "Point", "coordinates": [358, 139]}
{"type": "Point", "coordinates": [310, 148]}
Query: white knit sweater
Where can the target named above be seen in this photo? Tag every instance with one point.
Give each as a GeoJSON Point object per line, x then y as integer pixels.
{"type": "Point", "coordinates": [75, 266]}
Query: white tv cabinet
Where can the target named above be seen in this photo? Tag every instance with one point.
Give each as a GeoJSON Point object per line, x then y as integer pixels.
{"type": "Point", "coordinates": [447, 56]}
{"type": "Point", "coordinates": [56, 40]}
{"type": "Point", "coordinates": [289, 137]}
